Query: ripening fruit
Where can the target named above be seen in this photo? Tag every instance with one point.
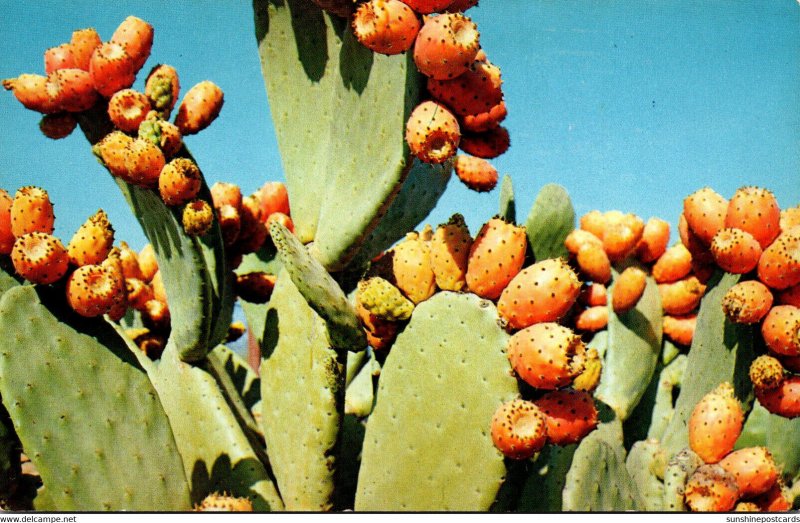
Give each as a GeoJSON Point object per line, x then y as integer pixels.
{"type": "Point", "coordinates": [230, 223]}
{"type": "Point", "coordinates": [136, 36]}
{"type": "Point", "coordinates": [705, 212]}
{"type": "Point", "coordinates": [681, 297]}
{"type": "Point", "coordinates": [163, 134]}
{"type": "Point", "coordinates": [674, 264]}
{"type": "Point", "coordinates": [221, 503]}
{"type": "Point", "coordinates": [112, 150]}
{"type": "Point", "coordinates": [446, 46]}
{"type": "Point", "coordinates": [570, 414]}
{"type": "Point", "coordinates": [252, 231]}
{"type": "Point", "coordinates": [766, 372]}
{"type": "Point", "coordinates": [449, 248]}
{"type": "Point", "coordinates": [691, 241]}
{"type": "Point", "coordinates": [779, 266]}
{"type": "Point", "coordinates": [546, 355]}
{"type": "Point", "coordinates": [790, 296]}
{"type": "Point", "coordinates": [755, 210]}
{"type": "Point", "coordinates": [197, 218]}
{"type": "Point", "coordinates": [773, 500]}
{"type": "Point", "coordinates": [735, 250]}
{"type": "Point", "coordinates": [57, 126]}
{"type": "Point", "coordinates": [148, 263]}
{"type": "Point", "coordinates": [480, 122]}
{"type": "Point", "coordinates": [593, 263]}
{"type": "Point", "coordinates": [386, 26]}
{"type": "Point", "coordinates": [432, 133]}
{"type": "Point", "coordinates": [426, 7]}
{"type": "Point", "coordinates": [273, 197]}
{"type": "Point", "coordinates": [31, 90]}
{"type": "Point", "coordinates": [113, 266]}
{"type": "Point", "coordinates": [59, 57]}
{"type": "Point", "coordinates": [91, 290]}
{"type": "Point", "coordinates": [281, 218]}
{"type": "Point", "coordinates": [31, 211]}
{"type": "Point", "coordinates": [680, 329]}
{"type": "Point", "coordinates": [747, 302]}
{"type": "Point", "coordinates": [753, 468]}
{"type": "Point", "coordinates": [654, 241]}
{"type": "Point", "coordinates": [144, 163]}
{"type": "Point", "coordinates": [578, 238]}
{"type": "Point", "coordinates": [380, 332]}
{"type": "Point", "coordinates": [790, 218]}
{"type": "Point", "coordinates": [138, 292]}
{"type": "Point", "coordinates": [628, 289]}
{"type": "Point", "coordinates": [715, 424]}
{"type": "Point", "coordinates": [6, 236]}
{"type": "Point", "coordinates": [162, 88]}
{"type": "Point", "coordinates": [711, 489]}
{"type": "Point", "coordinates": [383, 300]}
{"type": "Point", "coordinates": [589, 378]}
{"type": "Point", "coordinates": [112, 69]}
{"type": "Point", "coordinates": [72, 90]}
{"type": "Point", "coordinates": [83, 43]}
{"type": "Point", "coordinates": [592, 319]}
{"type": "Point", "coordinates": [475, 91]}
{"type": "Point", "coordinates": [780, 330]}
{"type": "Point", "coordinates": [156, 315]}
{"type": "Point", "coordinates": [92, 242]}
{"type": "Point", "coordinates": [496, 256]}
{"type": "Point", "coordinates": [200, 106]}
{"type": "Point", "coordinates": [487, 144]}
{"type": "Point", "coordinates": [40, 258]}
{"type": "Point", "coordinates": [783, 400]}
{"type": "Point", "coordinates": [255, 287]}
{"type": "Point", "coordinates": [127, 109]}
{"type": "Point", "coordinates": [621, 234]}
{"type": "Point", "coordinates": [594, 295]}
{"type": "Point", "coordinates": [412, 269]}
{"type": "Point", "coordinates": [476, 173]}
{"type": "Point", "coordinates": [223, 193]}
{"type": "Point", "coordinates": [519, 429]}
{"type": "Point", "coordinates": [179, 181]}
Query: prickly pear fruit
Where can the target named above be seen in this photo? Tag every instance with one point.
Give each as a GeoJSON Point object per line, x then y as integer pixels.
{"type": "Point", "coordinates": [480, 122]}
{"type": "Point", "coordinates": [747, 302]}
{"type": "Point", "coordinates": [179, 181]}
{"type": "Point", "coordinates": [197, 218]}
{"type": "Point", "coordinates": [385, 26]}
{"type": "Point", "coordinates": [691, 241]}
{"type": "Point", "coordinates": [200, 106]}
{"type": "Point", "coordinates": [73, 89]}
{"type": "Point", "coordinates": [715, 424]}
{"type": "Point", "coordinates": [579, 238]}
{"type": "Point", "coordinates": [252, 232]}
{"type": "Point", "coordinates": [654, 241]}
{"type": "Point", "coordinates": [790, 296]}
{"type": "Point", "coordinates": [519, 429]}
{"type": "Point", "coordinates": [82, 44]}
{"type": "Point", "coordinates": [681, 297]}
{"type": "Point", "coordinates": [112, 151]}
{"type": "Point", "coordinates": [162, 88]}
{"type": "Point", "coordinates": [91, 290]}
{"type": "Point", "coordinates": [594, 295]}
{"type": "Point", "coordinates": [31, 211]}
{"type": "Point", "coordinates": [476, 173]}
{"type": "Point", "coordinates": [138, 292]}
{"type": "Point", "coordinates": [461, 5]}
{"type": "Point", "coordinates": [705, 212]}
{"type": "Point", "coordinates": [148, 263]}
{"type": "Point", "coordinates": [711, 489]}
{"type": "Point", "coordinates": [753, 468]}
{"type": "Point", "coordinates": [383, 300]}
{"type": "Point", "coordinates": [766, 373]}
{"type": "Point", "coordinates": [31, 90]}
{"type": "Point", "coordinates": [746, 506]}
{"type": "Point", "coordinates": [783, 400]}
{"type": "Point", "coordinates": [426, 7]}
{"type": "Point", "coordinates": [156, 315]}
{"type": "Point", "coordinates": [592, 319]}
{"type": "Point", "coordinates": [475, 91]}
{"type": "Point", "coordinates": [496, 256]}
{"type": "Point", "coordinates": [412, 270]}
{"type": "Point", "coordinates": [144, 163]}
{"type": "Point", "coordinates": [779, 266]}
{"type": "Point", "coordinates": [136, 36]}
{"type": "Point", "coordinates": [570, 414]}
{"type": "Point", "coordinates": [790, 217]}
{"type": "Point", "coordinates": [222, 503]}
{"type": "Point", "coordinates": [283, 219]}
{"type": "Point", "coordinates": [163, 134]}
{"type": "Point", "coordinates": [446, 46]}
{"type": "Point", "coordinates": [628, 289]}
{"type": "Point", "coordinates": [129, 262]}
{"type": "Point", "coordinates": [40, 258]}
{"type": "Point", "coordinates": [127, 109]}
{"type": "Point", "coordinates": [223, 193]}
{"type": "Point", "coordinates": [255, 287]}
{"type": "Point", "coordinates": [449, 248]}
{"type": "Point", "coordinates": [487, 144]}
{"type": "Point", "coordinates": [230, 223]}
{"type": "Point", "coordinates": [380, 333]}
{"type": "Point", "coordinates": [589, 378]}
{"type": "Point", "coordinates": [755, 210]}
{"type": "Point", "coordinates": [432, 133]}
{"type": "Point", "coordinates": [773, 500]}
{"type": "Point", "coordinates": [780, 330]}
{"type": "Point", "coordinates": [680, 329]}
{"type": "Point", "coordinates": [621, 234]}
{"type": "Point", "coordinates": [59, 57]}
{"type": "Point", "coordinates": [546, 355]}
{"type": "Point", "coordinates": [111, 68]}
{"type": "Point", "coordinates": [273, 197]}
{"type": "Point", "coordinates": [113, 266]}
{"type": "Point", "coordinates": [57, 126]}
{"type": "Point", "coordinates": [543, 292]}
{"type": "Point", "coordinates": [735, 250]}
{"type": "Point", "coordinates": [92, 242]}
{"type": "Point", "coordinates": [593, 263]}
{"type": "Point", "coordinates": [6, 236]}
{"type": "Point", "coordinates": [674, 264]}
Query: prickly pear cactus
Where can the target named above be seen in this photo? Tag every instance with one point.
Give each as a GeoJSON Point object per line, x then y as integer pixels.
{"type": "Point", "coordinates": [679, 468]}
{"type": "Point", "coordinates": [646, 465]}
{"type": "Point", "coordinates": [543, 490]}
{"type": "Point", "coordinates": [427, 445]}
{"type": "Point", "coordinates": [550, 220]}
{"type": "Point", "coordinates": [508, 205]}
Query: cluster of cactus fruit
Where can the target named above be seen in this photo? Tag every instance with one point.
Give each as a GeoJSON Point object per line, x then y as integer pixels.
{"type": "Point", "coordinates": [591, 368]}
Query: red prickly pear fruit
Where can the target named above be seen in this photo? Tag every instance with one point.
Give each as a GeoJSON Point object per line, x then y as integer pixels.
{"type": "Point", "coordinates": [755, 210]}
{"type": "Point", "coordinates": [715, 424]}
{"type": "Point", "coordinates": [148, 264]}
{"type": "Point", "coordinates": [179, 181]}
{"type": "Point", "coordinates": [32, 211]}
{"type": "Point", "coordinates": [790, 218]}
{"type": "Point", "coordinates": [33, 92]}
{"type": "Point", "coordinates": [594, 295]}
{"type": "Point", "coordinates": [790, 296]}
{"type": "Point", "coordinates": [92, 242]}
{"type": "Point", "coordinates": [747, 302]}
{"type": "Point", "coordinates": [592, 319]}
{"type": "Point", "coordinates": [681, 297]}
{"type": "Point", "coordinates": [519, 429]}
{"type": "Point", "coordinates": [112, 151]}
{"type": "Point", "coordinates": [546, 355]}
{"type": "Point", "coordinates": [674, 264]}
{"type": "Point", "coordinates": [223, 193]}
{"type": "Point", "coordinates": [476, 173]}
{"type": "Point", "coordinates": [593, 263]}
{"type": "Point", "coordinates": [484, 121]}
{"type": "Point", "coordinates": [162, 88]}
{"type": "Point", "coordinates": [255, 287]}
{"type": "Point", "coordinates": [711, 489]}
{"type": "Point", "coordinates": [461, 5]}
{"type": "Point", "coordinates": [112, 69]}
{"type": "Point", "coordinates": [230, 223]}
{"type": "Point", "coordinates": [432, 133]}
{"type": "Point", "coordinates": [680, 329]}
{"type": "Point", "coordinates": [446, 46]}
{"type": "Point", "coordinates": [200, 106]}
{"type": "Point", "coordinates": [578, 238]}
{"type": "Point", "coordinates": [385, 26]}
{"type": "Point", "coordinates": [543, 292]}
{"type": "Point", "coordinates": [475, 91]}
{"type": "Point", "coordinates": [252, 233]}
{"type": "Point", "coordinates": [39, 258]}
{"type": "Point", "coordinates": [138, 292]}
{"type": "Point", "coordinates": [284, 219]}
{"type": "Point", "coordinates": [753, 468]}
{"type": "Point", "coordinates": [6, 236]}
{"type": "Point", "coordinates": [83, 43]}
{"type": "Point", "coordinates": [654, 241]}
{"type": "Point", "coordinates": [571, 415]}
{"type": "Point", "coordinates": [127, 109]}
{"type": "Point", "coordinates": [197, 218]}
{"type": "Point", "coordinates": [380, 332]}
{"type": "Point", "coordinates": [59, 57]}
{"type": "Point", "coordinates": [773, 500]}
{"type": "Point", "coordinates": [136, 36]}
{"type": "Point", "coordinates": [449, 248]}
{"type": "Point", "coordinates": [412, 268]}
{"type": "Point", "coordinates": [780, 330]}
{"type": "Point", "coordinates": [735, 250]}
{"type": "Point", "coordinates": [705, 212]}
{"type": "Point", "coordinates": [495, 257]}
{"type": "Point", "coordinates": [57, 126]}
{"type": "Point", "coordinates": [156, 315]}
{"type": "Point", "coordinates": [488, 144]}
{"type": "Point", "coordinates": [426, 7]}
{"type": "Point", "coordinates": [783, 400]}
{"type": "Point", "coordinates": [74, 89]}
{"type": "Point", "coordinates": [274, 198]}
{"type": "Point", "coordinates": [779, 265]}
{"type": "Point", "coordinates": [144, 163]}
{"type": "Point", "coordinates": [766, 373]}
{"type": "Point", "coordinates": [91, 291]}
{"type": "Point", "coordinates": [628, 289]}
{"type": "Point", "coordinates": [221, 503]}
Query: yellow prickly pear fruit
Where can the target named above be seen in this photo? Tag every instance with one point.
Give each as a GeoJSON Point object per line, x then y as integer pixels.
{"type": "Point", "coordinates": [449, 254]}
{"type": "Point", "coordinates": [384, 300]}
{"type": "Point", "coordinates": [411, 266]}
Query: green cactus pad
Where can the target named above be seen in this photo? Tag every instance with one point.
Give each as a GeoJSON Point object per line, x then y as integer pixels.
{"type": "Point", "coordinates": [720, 351]}
{"type": "Point", "coordinates": [508, 205]}
{"type": "Point", "coordinates": [550, 220]}
{"type": "Point", "coordinates": [543, 490]}
{"type": "Point", "coordinates": [7, 278]}
{"type": "Point", "coordinates": [239, 384]}
{"type": "Point", "coordinates": [321, 291]}
{"type": "Point", "coordinates": [85, 410]}
{"type": "Point", "coordinates": [427, 445]}
{"type": "Point", "coordinates": [663, 409]}
{"type": "Point", "coordinates": [360, 393]}
{"type": "Point", "coordinates": [302, 391]}
{"type": "Point", "coordinates": [217, 453]}
{"type": "Point", "coordinates": [646, 465]}
{"type": "Point", "coordinates": [634, 346]}
{"type": "Point", "coordinates": [778, 434]}
{"type": "Point", "coordinates": [264, 260]}
{"type": "Point", "coordinates": [10, 447]}
{"type": "Point", "coordinates": [679, 468]}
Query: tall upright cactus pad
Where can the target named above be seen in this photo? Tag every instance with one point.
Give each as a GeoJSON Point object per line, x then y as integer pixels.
{"type": "Point", "coordinates": [669, 379]}
{"type": "Point", "coordinates": [634, 345]}
{"type": "Point", "coordinates": [550, 220]}
{"type": "Point", "coordinates": [85, 410]}
{"type": "Point", "coordinates": [240, 387]}
{"type": "Point", "coordinates": [720, 351]}
{"type": "Point", "coordinates": [339, 112]}
{"type": "Point", "coordinates": [508, 204]}
{"type": "Point", "coordinates": [646, 465]}
{"type": "Point", "coordinates": [302, 395]}
{"type": "Point", "coordinates": [427, 445]}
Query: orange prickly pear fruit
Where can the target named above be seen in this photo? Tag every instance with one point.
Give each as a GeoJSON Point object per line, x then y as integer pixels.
{"type": "Point", "coordinates": [159, 291]}
{"type": "Point", "coordinates": [6, 236]}
{"type": "Point", "coordinates": [197, 218]}
{"type": "Point", "coordinates": [200, 106]}
{"type": "Point", "coordinates": [621, 234]}
{"type": "Point", "coordinates": [432, 133]}
{"type": "Point", "coordinates": [59, 57]}
{"type": "Point", "coordinates": [92, 242]}
{"type": "Point", "coordinates": [385, 26]}
{"type": "Point", "coordinates": [164, 135]}
{"type": "Point", "coordinates": [144, 163]}
{"type": "Point", "coordinates": [594, 295]}
{"type": "Point", "coordinates": [746, 506]}
{"type": "Point", "coordinates": [156, 316]}
{"type": "Point", "coordinates": [112, 150]}
{"type": "Point", "coordinates": [543, 292]}
{"type": "Point", "coordinates": [475, 91]}
{"type": "Point", "coordinates": [127, 109]}
{"type": "Point", "coordinates": [579, 238]}
{"type": "Point", "coordinates": [735, 250]}
{"type": "Point", "coordinates": [111, 68]}
{"type": "Point", "coordinates": [92, 290]}
{"type": "Point", "coordinates": [773, 500]}
{"type": "Point", "coordinates": [380, 332]}
{"type": "Point", "coordinates": [274, 198]}
{"type": "Point", "coordinates": [148, 263]}
{"type": "Point", "coordinates": [674, 264]}
{"type": "Point", "coordinates": [129, 261]}
{"type": "Point", "coordinates": [593, 263]}
{"type": "Point", "coordinates": [138, 292]}
{"type": "Point", "coordinates": [179, 181]}
{"type": "Point", "coordinates": [40, 258]}
{"type": "Point", "coordinates": [692, 242]}
{"type": "Point", "coordinates": [230, 223]}
{"type": "Point", "coordinates": [755, 210]}
{"type": "Point", "coordinates": [790, 296]}
{"type": "Point", "coordinates": [221, 503]}
{"type": "Point", "coordinates": [449, 248]}
{"type": "Point", "coordinates": [255, 287]}
{"type": "Point", "coordinates": [476, 173]}
{"type": "Point", "coordinates": [223, 193]}
{"type": "Point", "coordinates": [113, 265]}
{"type": "Point", "coordinates": [705, 212]}
{"type": "Point", "coordinates": [57, 126]}
{"type": "Point", "coordinates": [82, 45]}
{"type": "Point", "coordinates": [446, 45]}
{"type": "Point", "coordinates": [753, 468]}
{"type": "Point", "coordinates": [780, 330]}
{"type": "Point", "coordinates": [519, 429]}
{"type": "Point", "coordinates": [747, 302]}
{"type": "Point", "coordinates": [547, 355]}
{"type": "Point", "coordinates": [711, 489]}
{"type": "Point", "coordinates": [592, 319]}
{"type": "Point", "coordinates": [284, 220]}
{"type": "Point", "coordinates": [33, 92]}
{"type": "Point", "coordinates": [715, 424]}
{"type": "Point", "coordinates": [252, 232]}
{"type": "Point", "coordinates": [412, 268]}
{"type": "Point", "coordinates": [681, 297]}
{"type": "Point", "coordinates": [485, 121]}
{"type": "Point", "coordinates": [654, 241]}
{"type": "Point", "coordinates": [779, 266]}
{"type": "Point", "coordinates": [594, 222]}
{"type": "Point", "coordinates": [382, 299]}
{"type": "Point", "coordinates": [570, 415]}
{"type": "Point", "coordinates": [495, 257]}
{"type": "Point", "coordinates": [628, 289]}
{"type": "Point", "coordinates": [487, 144]}
{"type": "Point", "coordinates": [162, 88]}
{"type": "Point", "coordinates": [136, 36]}
{"type": "Point", "coordinates": [790, 218]}
{"type": "Point", "coordinates": [766, 372]}
{"type": "Point", "coordinates": [73, 89]}
{"type": "Point", "coordinates": [31, 211]}
{"type": "Point", "coordinates": [783, 400]}
{"type": "Point", "coordinates": [680, 329]}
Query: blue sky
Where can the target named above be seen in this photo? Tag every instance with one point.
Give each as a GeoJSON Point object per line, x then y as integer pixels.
{"type": "Point", "coordinates": [630, 104]}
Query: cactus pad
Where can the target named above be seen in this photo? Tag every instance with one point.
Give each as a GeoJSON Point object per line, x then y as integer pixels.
{"type": "Point", "coordinates": [508, 205]}
{"type": "Point", "coordinates": [550, 220]}
{"type": "Point", "coordinates": [646, 465]}
{"type": "Point", "coordinates": [679, 468]}
{"type": "Point", "coordinates": [543, 490]}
